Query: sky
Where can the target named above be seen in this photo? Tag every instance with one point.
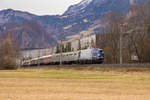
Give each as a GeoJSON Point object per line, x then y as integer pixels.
{"type": "Point", "coordinates": [39, 7]}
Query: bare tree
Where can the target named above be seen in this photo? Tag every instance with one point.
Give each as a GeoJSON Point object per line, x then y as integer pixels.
{"type": "Point", "coordinates": [110, 38]}
{"type": "Point", "coordinates": [147, 46]}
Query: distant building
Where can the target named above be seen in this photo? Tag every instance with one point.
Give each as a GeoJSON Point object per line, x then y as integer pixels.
{"type": "Point", "coordinates": [88, 41]}
{"type": "Point", "coordinates": [75, 45]}
{"type": "Point", "coordinates": [83, 42]}
{"type": "Point", "coordinates": [134, 58]}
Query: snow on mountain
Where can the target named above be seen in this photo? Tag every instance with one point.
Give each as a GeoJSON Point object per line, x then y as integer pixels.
{"type": "Point", "coordinates": [132, 2]}
{"type": "Point", "coordinates": [84, 3]}
{"type": "Point", "coordinates": [78, 7]}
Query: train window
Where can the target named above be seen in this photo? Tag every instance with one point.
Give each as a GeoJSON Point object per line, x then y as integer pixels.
{"type": "Point", "coordinates": [100, 50]}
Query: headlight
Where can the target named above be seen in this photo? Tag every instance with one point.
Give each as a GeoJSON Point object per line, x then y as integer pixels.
{"type": "Point", "coordinates": [99, 55]}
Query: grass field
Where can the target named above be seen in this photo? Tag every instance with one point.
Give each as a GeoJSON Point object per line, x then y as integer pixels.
{"type": "Point", "coordinates": [75, 84]}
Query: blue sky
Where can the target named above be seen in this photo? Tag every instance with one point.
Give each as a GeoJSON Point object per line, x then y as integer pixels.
{"type": "Point", "coordinates": [39, 7]}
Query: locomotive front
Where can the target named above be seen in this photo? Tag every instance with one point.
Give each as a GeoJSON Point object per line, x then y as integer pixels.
{"type": "Point", "coordinates": [91, 55]}
{"type": "Point", "coordinates": [97, 55]}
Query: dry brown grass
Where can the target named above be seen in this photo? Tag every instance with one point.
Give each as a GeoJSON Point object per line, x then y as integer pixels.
{"type": "Point", "coordinates": [70, 84]}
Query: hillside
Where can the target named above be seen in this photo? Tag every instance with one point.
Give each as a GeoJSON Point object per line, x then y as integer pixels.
{"type": "Point", "coordinates": [29, 34]}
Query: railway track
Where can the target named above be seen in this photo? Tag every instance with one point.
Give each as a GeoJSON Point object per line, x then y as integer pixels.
{"type": "Point", "coordinates": [141, 65]}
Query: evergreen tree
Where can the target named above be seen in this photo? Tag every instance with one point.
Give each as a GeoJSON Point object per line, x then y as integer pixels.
{"type": "Point", "coordinates": [9, 53]}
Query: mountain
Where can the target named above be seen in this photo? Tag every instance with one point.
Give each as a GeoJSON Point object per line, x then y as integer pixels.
{"type": "Point", "coordinates": [30, 30]}
{"type": "Point", "coordinates": [101, 6]}
{"type": "Point", "coordinates": [85, 15]}
{"type": "Point", "coordinates": [88, 13]}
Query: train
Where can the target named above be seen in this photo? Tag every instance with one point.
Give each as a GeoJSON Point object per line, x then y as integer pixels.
{"type": "Point", "coordinates": [86, 56]}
